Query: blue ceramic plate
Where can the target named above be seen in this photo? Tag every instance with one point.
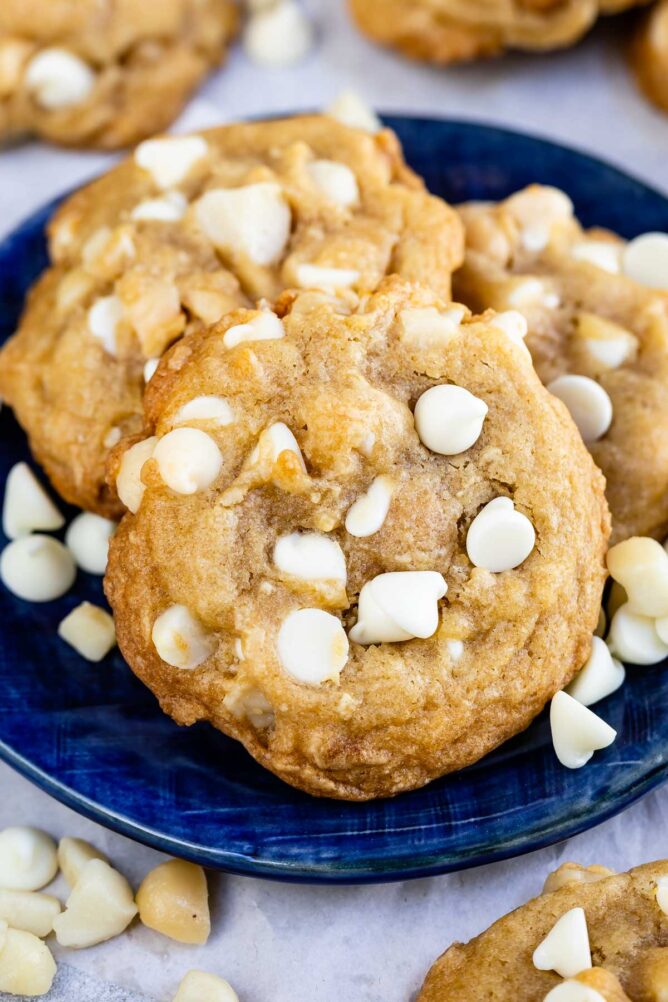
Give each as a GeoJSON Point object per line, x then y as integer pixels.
{"type": "Point", "coordinates": [92, 736]}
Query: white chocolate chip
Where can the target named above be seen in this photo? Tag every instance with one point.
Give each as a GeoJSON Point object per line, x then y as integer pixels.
{"type": "Point", "coordinates": [238, 648]}
{"type": "Point", "coordinates": [527, 292]}
{"type": "Point", "coordinates": [100, 907]}
{"type": "Point", "coordinates": [662, 894]}
{"type": "Point", "coordinates": [513, 324]}
{"type": "Point", "coordinates": [170, 160]}
{"type": "Point", "coordinates": [500, 538]}
{"type": "Point", "coordinates": [266, 326]}
{"type": "Point", "coordinates": [73, 854]}
{"type": "Point", "coordinates": [428, 327]}
{"type": "Point", "coordinates": [29, 911]}
{"type": "Point", "coordinates": [169, 208]}
{"type": "Point", "coordinates": [367, 515]}
{"type": "Point", "coordinates": [37, 568]}
{"type": "Point", "coordinates": [577, 732]}
{"type": "Point", "coordinates": [600, 676]}
{"type": "Point", "coordinates": [645, 260]}
{"type": "Point", "coordinates": [398, 606]}
{"type": "Point", "coordinates": [573, 991]}
{"type": "Point", "coordinates": [104, 317]}
{"type": "Point", "coordinates": [635, 639]}
{"type": "Point", "coordinates": [180, 639]}
{"type": "Point", "coordinates": [607, 344]}
{"type": "Point", "coordinates": [197, 986]}
{"type": "Point", "coordinates": [536, 209]}
{"type": "Point", "coordinates": [449, 419]}
{"type": "Point", "coordinates": [89, 630]}
{"type": "Point", "coordinates": [312, 646]}
{"type": "Point", "coordinates": [128, 482]}
{"type": "Point", "coordinates": [255, 220]}
{"type": "Point", "coordinates": [455, 649]}
{"type": "Point", "coordinates": [87, 539]}
{"type": "Point", "coordinates": [112, 438]}
{"type": "Point", "coordinates": [310, 556]}
{"type": "Point", "coordinates": [349, 109]}
{"type": "Point", "coordinates": [565, 949]}
{"type": "Point", "coordinates": [150, 369]}
{"type": "Point", "coordinates": [28, 859]}
{"type": "Point", "coordinates": [273, 441]}
{"type": "Point", "coordinates": [336, 181]}
{"type": "Point", "coordinates": [58, 79]}
{"type": "Point", "coordinates": [188, 459]}
{"type": "Point", "coordinates": [588, 404]}
{"type": "Point", "coordinates": [27, 967]}
{"type": "Point", "coordinates": [313, 276]}
{"type": "Point", "coordinates": [280, 35]}
{"type": "Point", "coordinates": [605, 254]}
{"type": "Point", "coordinates": [27, 506]}
{"type": "Point", "coordinates": [212, 409]}
{"type": "Point", "coordinates": [640, 566]}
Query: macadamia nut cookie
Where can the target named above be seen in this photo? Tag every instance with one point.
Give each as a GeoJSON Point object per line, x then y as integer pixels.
{"type": "Point", "coordinates": [185, 230]}
{"type": "Point", "coordinates": [446, 31]}
{"type": "Point", "coordinates": [650, 54]}
{"type": "Point", "coordinates": [370, 548]}
{"type": "Point", "coordinates": [105, 73]}
{"type": "Point", "coordinates": [597, 937]}
{"type": "Point", "coordinates": [597, 313]}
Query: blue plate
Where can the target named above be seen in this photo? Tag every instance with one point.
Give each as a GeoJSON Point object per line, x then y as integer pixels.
{"type": "Point", "coordinates": [94, 737]}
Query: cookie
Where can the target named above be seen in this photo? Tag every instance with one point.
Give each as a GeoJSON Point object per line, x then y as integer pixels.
{"type": "Point", "coordinates": [624, 917]}
{"type": "Point", "coordinates": [370, 548]}
{"type": "Point", "coordinates": [650, 54]}
{"type": "Point", "coordinates": [182, 232]}
{"type": "Point", "coordinates": [592, 313]}
{"type": "Point", "coordinates": [105, 73]}
{"type": "Point", "coordinates": [446, 31]}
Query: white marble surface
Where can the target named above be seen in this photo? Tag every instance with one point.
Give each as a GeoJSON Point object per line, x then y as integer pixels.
{"type": "Point", "coordinates": [281, 943]}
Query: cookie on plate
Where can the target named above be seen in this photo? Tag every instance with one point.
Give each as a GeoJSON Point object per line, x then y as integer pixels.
{"type": "Point", "coordinates": [599, 937]}
{"type": "Point", "coordinates": [598, 334]}
{"type": "Point", "coordinates": [371, 548]}
{"type": "Point", "coordinates": [179, 234]}
{"type": "Point", "coordinates": [105, 73]}
{"type": "Point", "coordinates": [446, 31]}
{"type": "Point", "coordinates": [650, 54]}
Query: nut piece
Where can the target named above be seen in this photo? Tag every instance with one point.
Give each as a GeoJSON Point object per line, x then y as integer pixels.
{"type": "Point", "coordinates": [500, 538]}
{"type": "Point", "coordinates": [29, 911]}
{"type": "Point", "coordinates": [398, 606]}
{"type": "Point", "coordinates": [312, 646]}
{"type": "Point", "coordinates": [449, 419]}
{"type": "Point", "coordinates": [128, 482]}
{"type": "Point", "coordinates": [640, 566]}
{"type": "Point", "coordinates": [100, 907]}
{"type": "Point", "coordinates": [37, 568]}
{"type": "Point", "coordinates": [87, 539]}
{"type": "Point", "coordinates": [200, 987]}
{"type": "Point", "coordinates": [73, 854]}
{"type": "Point", "coordinates": [170, 160]}
{"type": "Point", "coordinates": [89, 630]}
{"type": "Point", "coordinates": [26, 965]}
{"type": "Point", "coordinates": [635, 638]}
{"type": "Point", "coordinates": [28, 859]}
{"type": "Point", "coordinates": [314, 276]}
{"type": "Point", "coordinates": [58, 79]}
{"type": "Point", "coordinates": [588, 403]}
{"type": "Point", "coordinates": [27, 507]}
{"type": "Point", "coordinates": [565, 949]}
{"type": "Point", "coordinates": [180, 639]}
{"type": "Point", "coordinates": [573, 873]}
{"type": "Point", "coordinates": [173, 899]}
{"type": "Point", "coordinates": [254, 220]}
{"type": "Point", "coordinates": [576, 731]}
{"type": "Point", "coordinates": [600, 676]}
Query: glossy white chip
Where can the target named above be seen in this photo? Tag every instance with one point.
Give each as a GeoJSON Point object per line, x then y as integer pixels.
{"type": "Point", "coordinates": [428, 327]}
{"type": "Point", "coordinates": [27, 507]}
{"type": "Point", "coordinates": [336, 181]}
{"type": "Point", "coordinates": [89, 630]}
{"type": "Point", "coordinates": [128, 482]}
{"type": "Point", "coordinates": [274, 440]}
{"type": "Point", "coordinates": [577, 732]}
{"type": "Point", "coordinates": [600, 675]}
{"type": "Point", "coordinates": [645, 259]}
{"type": "Point", "coordinates": [604, 254]}
{"type": "Point", "coordinates": [349, 109]}
{"type": "Point", "coordinates": [266, 326]}
{"type": "Point", "coordinates": [197, 986]}
{"type": "Point", "coordinates": [28, 859]}
{"type": "Point", "coordinates": [188, 459]}
{"type": "Point", "coordinates": [312, 646]}
{"type": "Point", "coordinates": [536, 209]}
{"type": "Point", "coordinates": [254, 220]}
{"type": "Point", "coordinates": [169, 208]}
{"type": "Point", "coordinates": [398, 606]}
{"type": "Point", "coordinates": [280, 35]}
{"type": "Point", "coordinates": [87, 539]}
{"type": "Point", "coordinates": [499, 537]}
{"type": "Point", "coordinates": [513, 324]}
{"type": "Point", "coordinates": [104, 317]}
{"type": "Point", "coordinates": [212, 409]}
{"type": "Point", "coordinates": [565, 949]}
{"type": "Point", "coordinates": [449, 419]}
{"type": "Point", "coordinates": [588, 404]}
{"type": "Point", "coordinates": [58, 79]}
{"type": "Point", "coordinates": [180, 639]}
{"type": "Point", "coordinates": [313, 276]}
{"type": "Point", "coordinates": [310, 556]}
{"type": "Point", "coordinates": [73, 854]}
{"type": "Point", "coordinates": [170, 160]}
{"type": "Point", "coordinates": [573, 991]}
{"type": "Point", "coordinates": [607, 343]}
{"type": "Point", "coordinates": [635, 639]}
{"type": "Point", "coordinates": [367, 515]}
{"type": "Point", "coordinates": [37, 568]}
{"type": "Point", "coordinates": [100, 906]}
{"type": "Point", "coordinates": [640, 566]}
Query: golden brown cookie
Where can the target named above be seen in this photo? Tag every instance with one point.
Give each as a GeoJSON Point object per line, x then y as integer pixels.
{"type": "Point", "coordinates": [179, 234]}
{"type": "Point", "coordinates": [304, 503]}
{"type": "Point", "coordinates": [627, 960]}
{"type": "Point", "coordinates": [650, 54]}
{"type": "Point", "coordinates": [590, 314]}
{"type": "Point", "coordinates": [105, 73]}
{"type": "Point", "coordinates": [446, 31]}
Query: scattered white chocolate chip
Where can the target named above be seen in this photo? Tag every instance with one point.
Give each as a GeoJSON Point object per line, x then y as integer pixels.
{"type": "Point", "coordinates": [536, 209]}
{"type": "Point", "coordinates": [635, 639]}
{"type": "Point", "coordinates": [37, 568]}
{"type": "Point", "coordinates": [426, 326]}
{"type": "Point", "coordinates": [254, 220]}
{"type": "Point", "coordinates": [188, 459]}
{"type": "Point", "coordinates": [58, 79]}
{"type": "Point", "coordinates": [605, 254]}
{"type": "Point", "coordinates": [104, 316]}
{"type": "Point", "coordinates": [398, 606]}
{"type": "Point", "coordinates": [29, 911]}
{"type": "Point", "coordinates": [449, 419]}
{"type": "Point", "coordinates": [73, 854]}
{"type": "Point", "coordinates": [180, 639]}
{"type": "Point", "coordinates": [573, 991]}
{"type": "Point", "coordinates": [310, 556]}
{"type": "Point", "coordinates": [312, 646]}
{"type": "Point", "coordinates": [100, 906]}
{"type": "Point", "coordinates": [527, 292]}
{"type": "Point", "coordinates": [645, 260]}
{"type": "Point", "coordinates": [513, 324]}
{"type": "Point", "coordinates": [197, 986]}
{"type": "Point", "coordinates": [367, 515]}
{"type": "Point", "coordinates": [169, 208]}
{"type": "Point", "coordinates": [455, 649]}
{"type": "Point", "coordinates": [662, 894]}
{"type": "Point", "coordinates": [214, 410]}
{"type": "Point", "coordinates": [588, 404]}
{"type": "Point", "coordinates": [27, 967]}
{"type": "Point", "coordinates": [576, 731]}
{"type": "Point", "coordinates": [600, 676]}
{"type": "Point", "coordinates": [280, 35]}
{"type": "Point", "coordinates": [607, 344]}
{"type": "Point", "coordinates": [89, 630]}
{"type": "Point", "coordinates": [170, 160]}
{"type": "Point", "coordinates": [336, 181]}
{"type": "Point", "coordinates": [349, 109]}
{"type": "Point", "coordinates": [87, 539]}
{"type": "Point", "coordinates": [499, 538]}
{"type": "Point", "coordinates": [128, 481]}
{"type": "Point", "coordinates": [27, 506]}
{"type": "Point", "coordinates": [28, 859]}
{"type": "Point", "coordinates": [173, 899]}
{"type": "Point", "coordinates": [274, 440]}
{"type": "Point", "coordinates": [112, 438]}
{"type": "Point", "coordinates": [266, 326]}
{"type": "Point", "coordinates": [640, 566]}
{"type": "Point", "coordinates": [574, 873]}
{"type": "Point", "coordinates": [565, 949]}
{"type": "Point", "coordinates": [313, 276]}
